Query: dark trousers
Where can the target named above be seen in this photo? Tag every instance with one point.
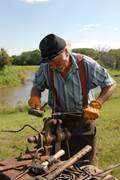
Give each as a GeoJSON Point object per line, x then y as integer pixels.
{"type": "Point", "coordinates": [82, 133]}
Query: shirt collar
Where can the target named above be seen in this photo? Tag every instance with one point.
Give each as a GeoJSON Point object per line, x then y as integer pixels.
{"type": "Point", "coordinates": [74, 63]}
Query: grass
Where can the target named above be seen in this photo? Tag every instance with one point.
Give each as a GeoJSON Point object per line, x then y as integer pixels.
{"type": "Point", "coordinates": [108, 130]}
{"type": "Point", "coordinates": [13, 143]}
{"type": "Point", "coordinates": [14, 75]}
{"type": "Point", "coordinates": [7, 109]}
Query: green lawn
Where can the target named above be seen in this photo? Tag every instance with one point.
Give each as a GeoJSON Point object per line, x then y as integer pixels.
{"type": "Point", "coordinates": [108, 135]}
{"type": "Point", "coordinates": [13, 143]}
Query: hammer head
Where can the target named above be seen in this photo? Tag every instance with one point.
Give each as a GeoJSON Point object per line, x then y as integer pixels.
{"type": "Point", "coordinates": [36, 112]}
{"type": "Point", "coordinates": [38, 169]}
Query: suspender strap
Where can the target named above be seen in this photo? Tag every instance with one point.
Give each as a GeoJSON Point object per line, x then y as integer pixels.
{"type": "Point", "coordinates": [54, 92]}
{"type": "Point", "coordinates": [83, 78]}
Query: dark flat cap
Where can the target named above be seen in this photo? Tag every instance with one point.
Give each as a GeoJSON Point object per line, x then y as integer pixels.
{"type": "Point", "coordinates": [50, 46]}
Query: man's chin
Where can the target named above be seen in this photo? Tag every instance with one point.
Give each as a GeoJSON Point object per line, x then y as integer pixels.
{"type": "Point", "coordinates": [61, 69]}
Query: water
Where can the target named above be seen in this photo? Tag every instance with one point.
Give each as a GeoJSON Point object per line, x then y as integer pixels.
{"type": "Point", "coordinates": [15, 95]}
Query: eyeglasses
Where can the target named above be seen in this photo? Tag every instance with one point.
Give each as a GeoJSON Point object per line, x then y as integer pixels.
{"type": "Point", "coordinates": [47, 59]}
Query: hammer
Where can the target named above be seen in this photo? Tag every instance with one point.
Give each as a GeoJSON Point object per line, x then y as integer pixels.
{"type": "Point", "coordinates": [37, 112]}
{"type": "Point", "coordinates": [42, 168]}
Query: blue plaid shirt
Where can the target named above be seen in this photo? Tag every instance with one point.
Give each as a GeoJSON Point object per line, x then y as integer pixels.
{"type": "Point", "coordinates": [69, 91]}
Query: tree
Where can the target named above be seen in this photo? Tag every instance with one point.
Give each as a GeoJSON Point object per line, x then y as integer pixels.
{"type": "Point", "coordinates": [27, 58]}
{"type": "Point", "coordinates": [87, 51]}
{"type": "Point", "coordinates": [115, 53]}
{"type": "Point", "coordinates": [4, 59]}
{"type": "Point", "coordinates": [35, 57]}
{"type": "Point", "coordinates": [106, 59]}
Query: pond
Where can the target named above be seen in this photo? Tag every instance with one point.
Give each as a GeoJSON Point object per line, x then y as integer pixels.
{"type": "Point", "coordinates": [15, 95]}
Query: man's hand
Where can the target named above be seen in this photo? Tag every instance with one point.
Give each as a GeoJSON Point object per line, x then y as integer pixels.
{"type": "Point", "coordinates": [92, 111]}
{"type": "Point", "coordinates": [34, 102]}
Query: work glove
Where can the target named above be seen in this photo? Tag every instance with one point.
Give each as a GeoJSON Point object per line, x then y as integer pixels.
{"type": "Point", "coordinates": [92, 111]}
{"type": "Point", "coordinates": [34, 102]}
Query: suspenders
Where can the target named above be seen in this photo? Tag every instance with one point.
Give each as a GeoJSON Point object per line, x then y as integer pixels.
{"type": "Point", "coordinates": [54, 92]}
{"type": "Point", "coordinates": [83, 79]}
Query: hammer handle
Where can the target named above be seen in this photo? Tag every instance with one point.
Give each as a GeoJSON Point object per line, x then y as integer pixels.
{"type": "Point", "coordinates": [54, 158]}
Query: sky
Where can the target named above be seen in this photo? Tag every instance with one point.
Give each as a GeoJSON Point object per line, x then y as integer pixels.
{"type": "Point", "coordinates": [84, 24]}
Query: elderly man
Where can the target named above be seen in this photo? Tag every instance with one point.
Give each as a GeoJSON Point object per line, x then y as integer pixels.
{"type": "Point", "coordinates": [69, 77]}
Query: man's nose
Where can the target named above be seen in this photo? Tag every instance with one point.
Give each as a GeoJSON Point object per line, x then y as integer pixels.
{"type": "Point", "coordinates": [52, 66]}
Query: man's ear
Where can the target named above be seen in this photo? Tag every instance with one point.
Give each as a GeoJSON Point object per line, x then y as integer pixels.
{"type": "Point", "coordinates": [66, 51]}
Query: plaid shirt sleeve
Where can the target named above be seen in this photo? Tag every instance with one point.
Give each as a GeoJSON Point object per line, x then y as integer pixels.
{"type": "Point", "coordinates": [40, 80]}
{"type": "Point", "coordinates": [98, 75]}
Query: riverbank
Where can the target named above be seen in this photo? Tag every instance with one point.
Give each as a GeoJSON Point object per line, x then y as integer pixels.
{"type": "Point", "coordinates": [15, 75]}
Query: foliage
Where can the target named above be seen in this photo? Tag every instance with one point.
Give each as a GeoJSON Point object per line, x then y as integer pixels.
{"type": "Point", "coordinates": [115, 53]}
{"type": "Point", "coordinates": [109, 59]}
{"type": "Point", "coordinates": [4, 59]}
{"type": "Point", "coordinates": [15, 75]}
{"type": "Point", "coordinates": [106, 57]}
{"type": "Point", "coordinates": [7, 109]}
{"type": "Point", "coordinates": [27, 58]}
{"type": "Point", "coordinates": [87, 51]}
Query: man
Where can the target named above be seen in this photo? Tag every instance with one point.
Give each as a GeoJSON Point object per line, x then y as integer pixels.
{"type": "Point", "coordinates": [60, 73]}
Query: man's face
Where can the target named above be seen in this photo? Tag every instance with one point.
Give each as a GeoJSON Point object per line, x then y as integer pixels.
{"type": "Point", "coordinates": [60, 62]}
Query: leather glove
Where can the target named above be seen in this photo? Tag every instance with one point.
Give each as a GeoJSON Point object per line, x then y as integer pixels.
{"type": "Point", "coordinates": [92, 111]}
{"type": "Point", "coordinates": [34, 102]}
